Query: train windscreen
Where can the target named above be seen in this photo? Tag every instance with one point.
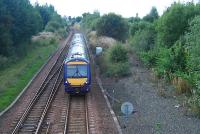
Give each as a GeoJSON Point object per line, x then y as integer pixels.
{"type": "Point", "coordinates": [77, 71]}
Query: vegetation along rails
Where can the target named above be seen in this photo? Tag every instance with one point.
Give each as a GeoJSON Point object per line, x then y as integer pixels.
{"type": "Point", "coordinates": [33, 116]}
{"type": "Point", "coordinates": [77, 119]}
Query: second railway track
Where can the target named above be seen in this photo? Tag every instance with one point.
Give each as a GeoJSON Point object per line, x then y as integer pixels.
{"type": "Point", "coordinates": [32, 118]}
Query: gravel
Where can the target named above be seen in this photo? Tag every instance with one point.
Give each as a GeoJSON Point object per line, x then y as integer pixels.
{"type": "Point", "coordinates": [157, 108]}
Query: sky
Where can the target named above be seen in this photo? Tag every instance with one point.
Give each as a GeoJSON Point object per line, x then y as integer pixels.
{"type": "Point", "coordinates": [126, 8]}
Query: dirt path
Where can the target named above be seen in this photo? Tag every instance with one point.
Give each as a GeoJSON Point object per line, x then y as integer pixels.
{"type": "Point", "coordinates": [158, 112]}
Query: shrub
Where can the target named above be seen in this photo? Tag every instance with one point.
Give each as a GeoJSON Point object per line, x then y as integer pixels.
{"type": "Point", "coordinates": [171, 26]}
{"type": "Point", "coordinates": [114, 61]}
{"type": "Point", "coordinates": [193, 47]}
{"type": "Point", "coordinates": [112, 25]}
{"type": "Point", "coordinates": [118, 53]}
{"type": "Point", "coordinates": [118, 69]}
{"type": "Point", "coordinates": [52, 26]}
{"type": "Point", "coordinates": [144, 40]}
{"type": "Point", "coordinates": [149, 58]}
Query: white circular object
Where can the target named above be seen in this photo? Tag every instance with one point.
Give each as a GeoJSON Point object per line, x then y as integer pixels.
{"type": "Point", "coordinates": [127, 108]}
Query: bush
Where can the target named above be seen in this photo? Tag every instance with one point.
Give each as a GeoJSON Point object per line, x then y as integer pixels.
{"type": "Point", "coordinates": [149, 58]}
{"type": "Point", "coordinates": [193, 47]}
{"type": "Point", "coordinates": [52, 26]}
{"type": "Point", "coordinates": [171, 26]}
{"type": "Point", "coordinates": [114, 61]}
{"type": "Point", "coordinates": [118, 53]}
{"type": "Point", "coordinates": [118, 69]}
{"type": "Point", "coordinates": [144, 40]}
{"type": "Point", "coordinates": [112, 25]}
{"type": "Point", "coordinates": [89, 20]}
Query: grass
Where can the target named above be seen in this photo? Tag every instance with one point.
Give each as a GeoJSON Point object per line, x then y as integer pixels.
{"type": "Point", "coordinates": [14, 78]}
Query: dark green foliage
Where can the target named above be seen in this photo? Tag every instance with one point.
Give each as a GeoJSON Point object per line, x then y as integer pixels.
{"type": "Point", "coordinates": [134, 19]}
{"type": "Point", "coordinates": [152, 16]}
{"type": "Point", "coordinates": [193, 47]}
{"type": "Point", "coordinates": [52, 26]}
{"type": "Point", "coordinates": [174, 22]}
{"type": "Point", "coordinates": [78, 19]}
{"type": "Point", "coordinates": [18, 22]}
{"type": "Point", "coordinates": [46, 13]}
{"type": "Point", "coordinates": [144, 38]}
{"type": "Point", "coordinates": [171, 61]}
{"type": "Point", "coordinates": [57, 25]}
{"type": "Point", "coordinates": [116, 61]}
{"type": "Point", "coordinates": [149, 58]}
{"type": "Point", "coordinates": [118, 54]}
{"type": "Point", "coordinates": [112, 25]}
{"type": "Point", "coordinates": [171, 46]}
{"type": "Point", "coordinates": [118, 69]}
{"type": "Point", "coordinates": [89, 20]}
{"type": "Point", "coordinates": [138, 26]}
{"type": "Point", "coordinates": [26, 20]}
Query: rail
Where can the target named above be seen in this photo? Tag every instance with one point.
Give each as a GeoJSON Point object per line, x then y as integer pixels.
{"type": "Point", "coordinates": [77, 119]}
{"type": "Point", "coordinates": [51, 75]}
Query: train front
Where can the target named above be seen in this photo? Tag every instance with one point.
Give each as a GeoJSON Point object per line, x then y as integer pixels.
{"type": "Point", "coordinates": [77, 79]}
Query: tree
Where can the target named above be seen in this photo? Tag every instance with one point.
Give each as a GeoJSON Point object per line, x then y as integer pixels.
{"type": "Point", "coordinates": [152, 16]}
{"type": "Point", "coordinates": [78, 19]}
{"type": "Point", "coordinates": [138, 26]}
{"type": "Point", "coordinates": [89, 20]}
{"type": "Point", "coordinates": [46, 12]}
{"type": "Point", "coordinates": [193, 45]}
{"type": "Point", "coordinates": [112, 25]}
{"type": "Point", "coordinates": [144, 39]}
{"type": "Point", "coordinates": [5, 27]}
{"type": "Point", "coordinates": [174, 22]}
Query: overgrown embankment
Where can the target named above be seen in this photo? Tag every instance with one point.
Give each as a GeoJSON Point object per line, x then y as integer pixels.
{"type": "Point", "coordinates": [113, 61]}
{"type": "Point", "coordinates": [169, 44]}
{"type": "Point", "coordinates": [15, 77]}
{"type": "Point", "coordinates": [20, 58]}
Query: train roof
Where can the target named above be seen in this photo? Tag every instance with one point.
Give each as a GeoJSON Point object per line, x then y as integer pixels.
{"type": "Point", "coordinates": [77, 48]}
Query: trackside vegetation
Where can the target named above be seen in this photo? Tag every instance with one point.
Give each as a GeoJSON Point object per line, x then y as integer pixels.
{"type": "Point", "coordinates": [14, 78]}
{"type": "Point", "coordinates": [112, 25]}
{"type": "Point", "coordinates": [20, 57]}
{"type": "Point", "coordinates": [115, 61]}
{"type": "Point", "coordinates": [168, 44]}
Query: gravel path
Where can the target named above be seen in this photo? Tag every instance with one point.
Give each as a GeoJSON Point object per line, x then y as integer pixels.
{"type": "Point", "coordinates": [157, 111]}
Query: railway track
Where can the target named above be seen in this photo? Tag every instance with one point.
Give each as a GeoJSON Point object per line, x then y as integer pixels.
{"type": "Point", "coordinates": [32, 118]}
{"type": "Point", "coordinates": [77, 121]}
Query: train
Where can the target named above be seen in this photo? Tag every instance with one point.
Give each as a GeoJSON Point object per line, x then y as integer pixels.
{"type": "Point", "coordinates": [77, 70]}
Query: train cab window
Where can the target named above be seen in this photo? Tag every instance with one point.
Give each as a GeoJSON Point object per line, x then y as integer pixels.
{"type": "Point", "coordinates": [77, 71]}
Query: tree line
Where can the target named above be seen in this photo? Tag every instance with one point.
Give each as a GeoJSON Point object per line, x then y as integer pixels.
{"type": "Point", "coordinates": [19, 20]}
